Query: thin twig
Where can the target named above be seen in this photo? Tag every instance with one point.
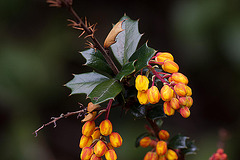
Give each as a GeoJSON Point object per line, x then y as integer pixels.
{"type": "Point", "coordinates": [154, 127]}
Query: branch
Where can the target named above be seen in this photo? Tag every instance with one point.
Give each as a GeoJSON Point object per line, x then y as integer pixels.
{"type": "Point", "coordinates": [154, 127]}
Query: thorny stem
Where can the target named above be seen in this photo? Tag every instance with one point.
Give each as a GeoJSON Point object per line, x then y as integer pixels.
{"type": "Point", "coordinates": [97, 44]}
{"type": "Point", "coordinates": [109, 108]}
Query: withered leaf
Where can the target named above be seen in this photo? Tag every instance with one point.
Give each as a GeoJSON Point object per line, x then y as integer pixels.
{"type": "Point", "coordinates": [89, 116]}
{"type": "Point", "coordinates": [92, 106]}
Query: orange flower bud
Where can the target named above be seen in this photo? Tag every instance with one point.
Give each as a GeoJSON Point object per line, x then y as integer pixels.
{"type": "Point", "coordinates": [170, 66]}
{"type": "Point", "coordinates": [109, 146]}
{"type": "Point", "coordinates": [105, 127]}
{"type": "Point", "coordinates": [185, 112]}
{"type": "Point", "coordinates": [153, 95]}
{"type": "Point", "coordinates": [163, 135]}
{"type": "Point", "coordinates": [86, 153]}
{"type": "Point", "coordinates": [100, 148]}
{"type": "Point", "coordinates": [174, 103]}
{"type": "Point", "coordinates": [153, 143]}
{"type": "Point", "coordinates": [161, 148]}
{"type": "Point", "coordinates": [189, 91]}
{"type": "Point", "coordinates": [145, 142]}
{"type": "Point", "coordinates": [189, 101]}
{"type": "Point", "coordinates": [85, 141]}
{"type": "Point", "coordinates": [94, 157]}
{"type": "Point", "coordinates": [183, 101]}
{"type": "Point", "coordinates": [96, 134]}
{"type": "Point", "coordinates": [142, 97]}
{"type": "Point", "coordinates": [115, 139]}
{"type": "Point", "coordinates": [168, 110]}
{"type": "Point", "coordinates": [88, 128]}
{"type": "Point", "coordinates": [162, 56]}
{"type": "Point", "coordinates": [162, 157]}
{"type": "Point", "coordinates": [179, 78]}
{"type": "Point", "coordinates": [111, 155]}
{"type": "Point", "coordinates": [171, 155]}
{"type": "Point", "coordinates": [180, 89]}
{"type": "Point", "coordinates": [166, 93]}
{"type": "Point", "coordinates": [141, 83]}
{"type": "Point", "coordinates": [151, 156]}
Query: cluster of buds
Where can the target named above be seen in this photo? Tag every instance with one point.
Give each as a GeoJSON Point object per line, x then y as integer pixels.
{"type": "Point", "coordinates": [160, 150]}
{"type": "Point", "coordinates": [175, 92]}
{"type": "Point", "coordinates": [94, 144]}
{"type": "Point", "coordinates": [219, 155]}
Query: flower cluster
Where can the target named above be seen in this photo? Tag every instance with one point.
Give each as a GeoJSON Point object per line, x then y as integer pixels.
{"type": "Point", "coordinates": [94, 144]}
{"type": "Point", "coordinates": [175, 92]}
{"type": "Point", "coordinates": [160, 149]}
{"type": "Point", "coordinates": [219, 155]}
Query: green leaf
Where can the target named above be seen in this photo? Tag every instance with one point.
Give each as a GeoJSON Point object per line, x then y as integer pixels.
{"type": "Point", "coordinates": [126, 70]}
{"type": "Point", "coordinates": [143, 55]}
{"type": "Point", "coordinates": [178, 142]}
{"type": "Point", "coordinates": [138, 111]}
{"type": "Point", "coordinates": [96, 60]}
{"type": "Point", "coordinates": [159, 122]}
{"type": "Point", "coordinates": [137, 143]}
{"type": "Point", "coordinates": [155, 112]}
{"type": "Point", "coordinates": [85, 83]}
{"type": "Point", "coordinates": [191, 148]}
{"type": "Point", "coordinates": [127, 40]}
{"type": "Point", "coordinates": [105, 91]}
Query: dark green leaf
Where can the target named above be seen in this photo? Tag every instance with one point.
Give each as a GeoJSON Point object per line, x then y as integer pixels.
{"type": "Point", "coordinates": [178, 142]}
{"type": "Point", "coordinates": [159, 122]}
{"type": "Point", "coordinates": [138, 111]}
{"type": "Point", "coordinates": [127, 40]}
{"type": "Point", "coordinates": [96, 60]}
{"type": "Point", "coordinates": [137, 143]}
{"type": "Point", "coordinates": [143, 56]}
{"type": "Point", "coordinates": [127, 69]}
{"type": "Point", "coordinates": [105, 91]}
{"type": "Point", "coordinates": [155, 112]}
{"type": "Point", "coordinates": [191, 148]}
{"type": "Point", "coordinates": [86, 82]}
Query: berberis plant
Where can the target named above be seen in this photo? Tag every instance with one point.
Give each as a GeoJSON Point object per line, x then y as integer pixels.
{"type": "Point", "coordinates": [146, 83]}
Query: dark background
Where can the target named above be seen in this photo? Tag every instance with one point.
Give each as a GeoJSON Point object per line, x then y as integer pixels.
{"type": "Point", "coordinates": [39, 53]}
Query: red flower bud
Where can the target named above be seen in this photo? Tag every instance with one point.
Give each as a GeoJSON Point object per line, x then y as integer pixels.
{"type": "Point", "coordinates": [105, 127]}
{"type": "Point", "coordinates": [168, 110]}
{"type": "Point", "coordinates": [174, 103]}
{"type": "Point", "coordinates": [109, 146]}
{"type": "Point", "coordinates": [185, 112]}
{"type": "Point", "coordinates": [96, 133]}
{"type": "Point", "coordinates": [145, 142]}
{"type": "Point", "coordinates": [166, 93]}
{"type": "Point", "coordinates": [153, 95]}
{"type": "Point", "coordinates": [183, 101]}
{"type": "Point", "coordinates": [162, 157]}
{"type": "Point", "coordinates": [180, 89]}
{"type": "Point", "coordinates": [94, 157]}
{"type": "Point", "coordinates": [151, 156]}
{"type": "Point", "coordinates": [161, 148]}
{"type": "Point", "coordinates": [86, 153]}
{"type": "Point", "coordinates": [85, 141]}
{"type": "Point", "coordinates": [171, 155]}
{"type": "Point", "coordinates": [162, 56]}
{"type": "Point", "coordinates": [170, 66]}
{"type": "Point", "coordinates": [142, 97]}
{"type": "Point", "coordinates": [189, 101]}
{"type": "Point", "coordinates": [100, 148]}
{"type": "Point", "coordinates": [115, 139]}
{"type": "Point", "coordinates": [88, 128]}
{"type": "Point", "coordinates": [141, 83]}
{"type": "Point", "coordinates": [163, 135]}
{"type": "Point", "coordinates": [111, 155]}
{"type": "Point", "coordinates": [179, 78]}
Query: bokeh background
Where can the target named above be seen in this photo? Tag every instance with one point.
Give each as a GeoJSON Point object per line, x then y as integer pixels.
{"type": "Point", "coordinates": [39, 53]}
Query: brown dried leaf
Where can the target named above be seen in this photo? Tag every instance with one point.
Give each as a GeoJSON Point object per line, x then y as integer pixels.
{"type": "Point", "coordinates": [113, 34]}
{"type": "Point", "coordinates": [92, 106]}
{"type": "Point", "coordinates": [89, 116]}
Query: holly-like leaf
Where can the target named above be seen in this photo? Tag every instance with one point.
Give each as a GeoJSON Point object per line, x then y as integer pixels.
{"type": "Point", "coordinates": [138, 111]}
{"type": "Point", "coordinates": [104, 91]}
{"type": "Point", "coordinates": [127, 40]}
{"type": "Point", "coordinates": [96, 60]}
{"type": "Point", "coordinates": [143, 55]}
{"type": "Point", "coordinates": [178, 142]}
{"type": "Point", "coordinates": [126, 70]}
{"type": "Point", "coordinates": [85, 83]}
{"type": "Point", "coordinates": [155, 112]}
{"type": "Point", "coordinates": [137, 143]}
{"type": "Point", "coordinates": [159, 122]}
{"type": "Point", "coordinates": [191, 148]}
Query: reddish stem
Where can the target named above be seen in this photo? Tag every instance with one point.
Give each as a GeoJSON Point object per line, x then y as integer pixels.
{"type": "Point", "coordinates": [153, 80]}
{"type": "Point", "coordinates": [109, 108]}
{"type": "Point", "coordinates": [154, 62]}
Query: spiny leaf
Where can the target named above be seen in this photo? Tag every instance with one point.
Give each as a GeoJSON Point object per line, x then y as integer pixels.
{"type": "Point", "coordinates": [178, 142]}
{"type": "Point", "coordinates": [191, 148]}
{"type": "Point", "coordinates": [155, 112]}
{"type": "Point", "coordinates": [126, 70]}
{"type": "Point", "coordinates": [138, 111]}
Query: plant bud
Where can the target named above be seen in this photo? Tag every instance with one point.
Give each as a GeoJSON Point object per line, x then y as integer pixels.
{"type": "Point", "coordinates": [88, 128]}
{"type": "Point", "coordinates": [115, 139]}
{"type": "Point", "coordinates": [145, 142]}
{"type": "Point", "coordinates": [94, 157]}
{"type": "Point", "coordinates": [179, 78]}
{"type": "Point", "coordinates": [151, 156]}
{"type": "Point", "coordinates": [166, 93]}
{"type": "Point", "coordinates": [163, 135]}
{"type": "Point", "coordinates": [153, 95]}
{"type": "Point", "coordinates": [185, 112]}
{"type": "Point", "coordinates": [105, 127]}
{"type": "Point", "coordinates": [85, 141]}
{"type": "Point", "coordinates": [86, 153]}
{"type": "Point", "coordinates": [180, 89]}
{"type": "Point", "coordinates": [142, 97]}
{"type": "Point", "coordinates": [153, 143]}
{"type": "Point", "coordinates": [141, 83]}
{"type": "Point", "coordinates": [96, 133]}
{"type": "Point", "coordinates": [162, 157]}
{"type": "Point", "coordinates": [100, 148]}
{"type": "Point", "coordinates": [109, 146]}
{"type": "Point", "coordinates": [162, 56]}
{"type": "Point", "coordinates": [189, 91]}
{"type": "Point", "coordinates": [174, 103]}
{"type": "Point", "coordinates": [111, 155]}
{"type": "Point", "coordinates": [171, 155]}
{"type": "Point", "coordinates": [161, 148]}
{"type": "Point", "coordinates": [189, 101]}
{"type": "Point", "coordinates": [183, 101]}
{"type": "Point", "coordinates": [168, 110]}
{"type": "Point", "coordinates": [170, 66]}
